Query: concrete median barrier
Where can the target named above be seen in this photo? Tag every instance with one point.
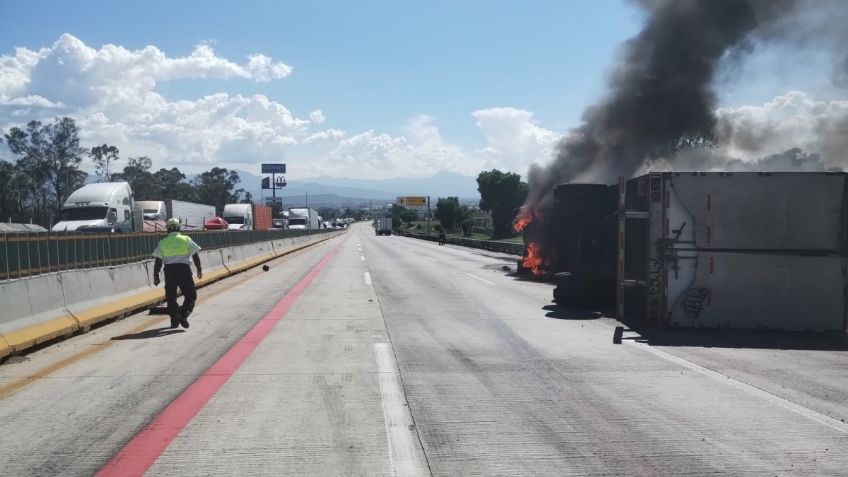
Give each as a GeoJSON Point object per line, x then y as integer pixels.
{"type": "Point", "coordinates": [98, 294]}
{"type": "Point", "coordinates": [33, 312]}
{"type": "Point", "coordinates": [212, 262]}
{"type": "Point", "coordinates": [44, 307]}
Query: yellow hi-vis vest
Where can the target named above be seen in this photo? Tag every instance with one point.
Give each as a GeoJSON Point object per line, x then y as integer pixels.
{"type": "Point", "coordinates": [176, 248]}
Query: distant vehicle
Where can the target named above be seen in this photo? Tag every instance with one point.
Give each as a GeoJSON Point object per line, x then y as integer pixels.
{"type": "Point", "coordinates": [247, 216]}
{"type": "Point", "coordinates": [151, 210]}
{"type": "Point", "coordinates": [151, 215]}
{"type": "Point", "coordinates": [302, 218]}
{"type": "Point", "coordinates": [383, 225]}
{"type": "Point", "coordinates": [100, 206]}
{"type": "Point", "coordinates": [10, 227]}
{"type": "Point", "coordinates": [238, 216]}
{"type": "Point", "coordinates": [216, 223]}
{"type": "Point", "coordinates": [191, 215]}
{"type": "Point", "coordinates": [279, 223]}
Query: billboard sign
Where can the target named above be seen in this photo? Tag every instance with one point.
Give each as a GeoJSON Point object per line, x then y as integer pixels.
{"type": "Point", "coordinates": [273, 168]}
{"type": "Point", "coordinates": [412, 201]}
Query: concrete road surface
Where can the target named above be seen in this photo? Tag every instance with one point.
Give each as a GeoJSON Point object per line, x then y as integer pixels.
{"type": "Point", "coordinates": [374, 355]}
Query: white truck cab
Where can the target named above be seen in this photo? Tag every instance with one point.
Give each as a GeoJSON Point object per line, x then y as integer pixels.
{"type": "Point", "coordinates": [239, 216]}
{"type": "Point", "coordinates": [105, 205]}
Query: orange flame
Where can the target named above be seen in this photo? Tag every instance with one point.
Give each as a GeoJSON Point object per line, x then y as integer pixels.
{"type": "Point", "coordinates": [524, 220]}
{"type": "Point", "coordinates": [533, 259]}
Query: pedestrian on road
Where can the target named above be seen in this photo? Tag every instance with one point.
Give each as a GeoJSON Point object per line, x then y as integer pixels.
{"type": "Point", "coordinates": [177, 251]}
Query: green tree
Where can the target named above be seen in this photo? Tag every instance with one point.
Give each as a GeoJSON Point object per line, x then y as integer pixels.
{"type": "Point", "coordinates": [245, 196]}
{"type": "Point", "coordinates": [170, 184]}
{"type": "Point", "coordinates": [13, 193]}
{"type": "Point", "coordinates": [409, 216]}
{"type": "Point", "coordinates": [217, 187]}
{"type": "Point", "coordinates": [137, 174]}
{"type": "Point", "coordinates": [48, 159]}
{"type": "Point", "coordinates": [103, 157]}
{"type": "Point", "coordinates": [396, 212]}
{"type": "Point", "coordinates": [451, 213]}
{"type": "Point", "coordinates": [328, 213]}
{"type": "Point", "coordinates": [501, 194]}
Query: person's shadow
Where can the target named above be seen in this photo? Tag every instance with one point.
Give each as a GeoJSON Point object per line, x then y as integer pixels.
{"type": "Point", "coordinates": [154, 333]}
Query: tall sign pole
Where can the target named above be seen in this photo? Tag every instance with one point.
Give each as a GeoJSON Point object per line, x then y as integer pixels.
{"type": "Point", "coordinates": [274, 169]}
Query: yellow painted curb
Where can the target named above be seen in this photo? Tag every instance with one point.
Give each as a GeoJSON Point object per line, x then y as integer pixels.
{"type": "Point", "coordinates": [99, 313]}
{"type": "Point", "coordinates": [210, 277]}
{"type": "Point", "coordinates": [5, 349]}
{"type": "Point", "coordinates": [32, 335]}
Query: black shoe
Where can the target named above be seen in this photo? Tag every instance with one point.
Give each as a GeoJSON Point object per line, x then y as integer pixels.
{"type": "Point", "coordinates": [175, 323]}
{"type": "Point", "coordinates": [183, 320]}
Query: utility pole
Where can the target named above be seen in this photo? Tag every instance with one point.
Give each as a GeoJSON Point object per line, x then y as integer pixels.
{"type": "Point", "coordinates": [429, 216]}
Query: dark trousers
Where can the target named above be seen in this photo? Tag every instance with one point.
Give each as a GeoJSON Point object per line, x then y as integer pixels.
{"type": "Point", "coordinates": [178, 275]}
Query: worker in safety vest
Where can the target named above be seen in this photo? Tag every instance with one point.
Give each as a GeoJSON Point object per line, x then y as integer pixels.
{"type": "Point", "coordinates": [177, 251]}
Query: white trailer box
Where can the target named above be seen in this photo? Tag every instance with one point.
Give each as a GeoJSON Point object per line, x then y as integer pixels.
{"type": "Point", "coordinates": [734, 250]}
{"type": "Point", "coordinates": [192, 216]}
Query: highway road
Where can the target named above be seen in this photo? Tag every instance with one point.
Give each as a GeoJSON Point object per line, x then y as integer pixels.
{"type": "Point", "coordinates": [368, 355]}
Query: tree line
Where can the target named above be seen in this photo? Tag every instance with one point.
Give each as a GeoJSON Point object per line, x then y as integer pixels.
{"type": "Point", "coordinates": [501, 194]}
{"type": "Point", "coordinates": [46, 169]}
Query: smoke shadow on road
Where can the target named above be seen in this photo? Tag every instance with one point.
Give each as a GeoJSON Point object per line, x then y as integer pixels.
{"type": "Point", "coordinates": [154, 333]}
{"type": "Point", "coordinates": [754, 339]}
{"type": "Point", "coordinates": [560, 313]}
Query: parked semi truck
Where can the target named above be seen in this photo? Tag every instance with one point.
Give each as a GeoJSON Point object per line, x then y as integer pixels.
{"type": "Point", "coordinates": [151, 214]}
{"type": "Point", "coordinates": [383, 225]}
{"type": "Point", "coordinates": [303, 218]}
{"type": "Point", "coordinates": [100, 206]}
{"type": "Point", "coordinates": [741, 250]}
{"type": "Point", "coordinates": [247, 216]}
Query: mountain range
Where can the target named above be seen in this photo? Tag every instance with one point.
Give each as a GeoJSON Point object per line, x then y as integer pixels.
{"type": "Point", "coordinates": [356, 191]}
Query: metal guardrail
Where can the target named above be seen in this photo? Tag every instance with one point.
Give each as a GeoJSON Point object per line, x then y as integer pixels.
{"type": "Point", "coordinates": [491, 245]}
{"type": "Point", "coordinates": [26, 254]}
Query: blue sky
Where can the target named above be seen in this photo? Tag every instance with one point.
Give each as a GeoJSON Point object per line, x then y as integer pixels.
{"type": "Point", "coordinates": [401, 69]}
{"type": "Point", "coordinates": [372, 64]}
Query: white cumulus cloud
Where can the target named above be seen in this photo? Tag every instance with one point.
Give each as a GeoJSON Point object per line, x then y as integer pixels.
{"type": "Point", "coordinates": [515, 140]}
{"type": "Point", "coordinates": [787, 121]}
{"type": "Point", "coordinates": [112, 92]}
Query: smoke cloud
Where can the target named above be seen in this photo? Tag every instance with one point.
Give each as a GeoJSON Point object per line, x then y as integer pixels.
{"type": "Point", "coordinates": [660, 112]}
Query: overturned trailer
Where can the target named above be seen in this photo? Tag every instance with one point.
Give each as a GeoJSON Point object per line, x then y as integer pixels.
{"type": "Point", "coordinates": [731, 250]}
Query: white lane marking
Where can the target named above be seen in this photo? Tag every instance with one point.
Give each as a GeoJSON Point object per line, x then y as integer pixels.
{"type": "Point", "coordinates": [362, 257]}
{"type": "Point", "coordinates": [405, 452]}
{"type": "Point", "coordinates": [752, 390]}
{"type": "Point", "coordinates": [431, 258]}
{"type": "Point", "coordinates": [478, 278]}
{"type": "Point", "coordinates": [367, 278]}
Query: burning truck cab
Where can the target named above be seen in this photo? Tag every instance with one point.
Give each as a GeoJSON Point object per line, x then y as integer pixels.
{"type": "Point", "coordinates": [572, 241]}
{"type": "Point", "coordinates": [745, 250]}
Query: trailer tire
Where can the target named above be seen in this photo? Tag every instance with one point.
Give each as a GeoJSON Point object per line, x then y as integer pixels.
{"type": "Point", "coordinates": [572, 291]}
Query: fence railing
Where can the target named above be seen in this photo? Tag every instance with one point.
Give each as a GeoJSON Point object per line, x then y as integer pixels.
{"type": "Point", "coordinates": [491, 245]}
{"type": "Point", "coordinates": [27, 253]}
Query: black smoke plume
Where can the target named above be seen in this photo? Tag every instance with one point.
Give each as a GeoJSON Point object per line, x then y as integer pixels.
{"type": "Point", "coordinates": [661, 95]}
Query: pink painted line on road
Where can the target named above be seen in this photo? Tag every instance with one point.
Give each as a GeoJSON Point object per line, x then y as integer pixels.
{"type": "Point", "coordinates": [150, 443]}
